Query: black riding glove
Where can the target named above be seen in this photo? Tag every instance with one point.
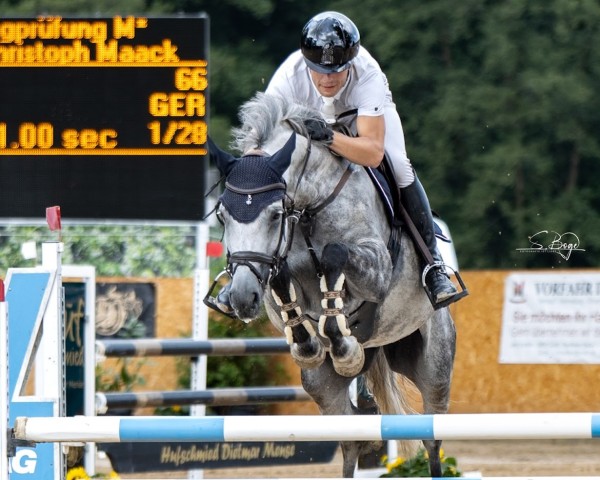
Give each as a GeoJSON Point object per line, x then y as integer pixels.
{"type": "Point", "coordinates": [319, 131]}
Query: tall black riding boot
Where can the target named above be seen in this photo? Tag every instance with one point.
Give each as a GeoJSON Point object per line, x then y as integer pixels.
{"type": "Point", "coordinates": [417, 206]}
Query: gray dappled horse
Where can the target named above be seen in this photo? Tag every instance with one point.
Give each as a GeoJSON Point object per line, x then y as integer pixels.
{"type": "Point", "coordinates": [306, 233]}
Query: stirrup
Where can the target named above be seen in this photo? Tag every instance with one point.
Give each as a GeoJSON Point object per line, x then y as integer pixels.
{"type": "Point", "coordinates": [211, 301]}
{"type": "Point", "coordinates": [463, 292]}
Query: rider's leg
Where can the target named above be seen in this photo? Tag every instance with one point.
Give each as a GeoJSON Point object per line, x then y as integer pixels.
{"type": "Point", "coordinates": [416, 203]}
{"type": "Point", "coordinates": [417, 206]}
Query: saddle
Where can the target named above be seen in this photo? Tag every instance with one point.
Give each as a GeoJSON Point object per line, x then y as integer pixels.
{"type": "Point", "coordinates": [383, 178]}
{"type": "Point", "coordinates": [385, 183]}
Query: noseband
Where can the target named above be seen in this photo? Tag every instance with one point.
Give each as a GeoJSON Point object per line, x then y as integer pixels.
{"type": "Point", "coordinates": [249, 258]}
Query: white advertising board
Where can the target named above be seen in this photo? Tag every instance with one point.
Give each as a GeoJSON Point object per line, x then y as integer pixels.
{"type": "Point", "coordinates": [551, 318]}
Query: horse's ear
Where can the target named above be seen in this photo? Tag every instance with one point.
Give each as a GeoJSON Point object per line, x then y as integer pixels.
{"type": "Point", "coordinates": [281, 160]}
{"type": "Point", "coordinates": [224, 161]}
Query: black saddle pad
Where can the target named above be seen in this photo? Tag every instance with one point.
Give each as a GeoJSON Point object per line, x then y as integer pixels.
{"type": "Point", "coordinates": [383, 189]}
{"type": "Point", "coordinates": [382, 179]}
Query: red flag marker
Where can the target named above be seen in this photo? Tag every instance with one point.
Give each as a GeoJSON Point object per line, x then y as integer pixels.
{"type": "Point", "coordinates": [214, 249]}
{"type": "Point", "coordinates": [1, 290]}
{"type": "Point", "coordinates": [53, 217]}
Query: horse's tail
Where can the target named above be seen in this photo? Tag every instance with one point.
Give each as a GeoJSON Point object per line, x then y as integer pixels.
{"type": "Point", "coordinates": [390, 392]}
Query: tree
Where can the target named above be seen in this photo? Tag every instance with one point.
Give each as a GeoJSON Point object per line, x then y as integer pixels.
{"type": "Point", "coordinates": [500, 115]}
{"type": "Point", "coordinates": [65, 7]}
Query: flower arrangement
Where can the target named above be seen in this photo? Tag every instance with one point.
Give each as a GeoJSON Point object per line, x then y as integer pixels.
{"type": "Point", "coordinates": [418, 466]}
{"type": "Point", "coordinates": [79, 473]}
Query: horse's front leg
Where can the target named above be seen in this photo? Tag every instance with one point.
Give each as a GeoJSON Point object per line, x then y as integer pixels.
{"type": "Point", "coordinates": [331, 393]}
{"type": "Point", "coordinates": [346, 352]}
{"type": "Point", "coordinates": [305, 347]}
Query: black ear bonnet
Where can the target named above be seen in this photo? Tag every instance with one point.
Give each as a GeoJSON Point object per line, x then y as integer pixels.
{"type": "Point", "coordinates": [250, 186]}
{"type": "Point", "coordinates": [252, 182]}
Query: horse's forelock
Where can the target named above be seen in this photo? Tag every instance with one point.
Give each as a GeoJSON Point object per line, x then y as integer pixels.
{"type": "Point", "coordinates": [263, 115]}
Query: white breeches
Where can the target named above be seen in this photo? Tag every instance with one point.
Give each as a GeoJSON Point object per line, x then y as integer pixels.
{"type": "Point", "coordinates": [395, 147]}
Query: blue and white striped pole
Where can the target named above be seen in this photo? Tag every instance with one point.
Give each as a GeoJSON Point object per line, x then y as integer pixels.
{"type": "Point", "coordinates": [310, 428]}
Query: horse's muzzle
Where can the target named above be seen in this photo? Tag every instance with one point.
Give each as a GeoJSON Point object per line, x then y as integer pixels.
{"type": "Point", "coordinates": [246, 294]}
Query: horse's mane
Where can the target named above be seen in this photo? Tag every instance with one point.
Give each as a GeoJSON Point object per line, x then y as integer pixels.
{"type": "Point", "coordinates": [264, 113]}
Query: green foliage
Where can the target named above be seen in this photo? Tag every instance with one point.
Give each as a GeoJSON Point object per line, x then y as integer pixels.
{"type": "Point", "coordinates": [121, 250]}
{"type": "Point", "coordinates": [230, 371]}
{"type": "Point", "coordinates": [240, 371]}
{"type": "Point", "coordinates": [65, 7]}
{"type": "Point", "coordinates": [132, 250]}
{"type": "Point", "coordinates": [499, 113]}
{"type": "Point", "coordinates": [235, 370]}
{"type": "Point", "coordinates": [499, 133]}
{"type": "Point", "coordinates": [418, 466]}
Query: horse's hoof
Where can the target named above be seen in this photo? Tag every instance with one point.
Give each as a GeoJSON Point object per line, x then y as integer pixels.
{"type": "Point", "coordinates": [351, 363]}
{"type": "Point", "coordinates": [312, 357]}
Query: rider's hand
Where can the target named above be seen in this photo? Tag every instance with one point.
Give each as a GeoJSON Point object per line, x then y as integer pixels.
{"type": "Point", "coordinates": [319, 131]}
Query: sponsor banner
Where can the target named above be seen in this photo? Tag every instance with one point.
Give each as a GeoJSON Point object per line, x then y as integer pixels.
{"type": "Point", "coordinates": [551, 318]}
{"type": "Point", "coordinates": [130, 457]}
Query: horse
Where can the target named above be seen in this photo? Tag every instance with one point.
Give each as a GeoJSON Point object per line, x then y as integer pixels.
{"type": "Point", "coordinates": [306, 235]}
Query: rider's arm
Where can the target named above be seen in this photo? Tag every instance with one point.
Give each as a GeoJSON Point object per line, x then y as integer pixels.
{"type": "Point", "coordinates": [367, 148]}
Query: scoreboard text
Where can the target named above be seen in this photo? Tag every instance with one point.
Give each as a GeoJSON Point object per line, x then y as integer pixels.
{"type": "Point", "coordinates": [106, 117]}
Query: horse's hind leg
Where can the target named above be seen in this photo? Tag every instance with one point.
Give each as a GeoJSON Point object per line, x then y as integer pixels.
{"type": "Point", "coordinates": [305, 347]}
{"type": "Point", "coordinates": [426, 357]}
{"type": "Point", "coordinates": [331, 393]}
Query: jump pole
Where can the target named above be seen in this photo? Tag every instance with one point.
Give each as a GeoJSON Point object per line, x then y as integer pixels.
{"type": "Point", "coordinates": [533, 426]}
{"type": "Point", "coordinates": [214, 397]}
{"type": "Point", "coordinates": [144, 347]}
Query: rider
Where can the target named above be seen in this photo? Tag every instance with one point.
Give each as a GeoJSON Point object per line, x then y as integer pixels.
{"type": "Point", "coordinates": [333, 73]}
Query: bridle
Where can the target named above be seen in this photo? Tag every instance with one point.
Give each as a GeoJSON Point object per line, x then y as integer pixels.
{"type": "Point", "coordinates": [292, 216]}
{"type": "Point", "coordinates": [248, 258]}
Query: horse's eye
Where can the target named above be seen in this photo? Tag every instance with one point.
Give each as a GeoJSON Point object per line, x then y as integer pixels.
{"type": "Point", "coordinates": [276, 215]}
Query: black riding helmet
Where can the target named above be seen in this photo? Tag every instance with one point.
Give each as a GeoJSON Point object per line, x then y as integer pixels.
{"type": "Point", "coordinates": [329, 42]}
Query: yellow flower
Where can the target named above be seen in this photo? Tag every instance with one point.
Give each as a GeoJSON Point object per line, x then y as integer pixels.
{"type": "Point", "coordinates": [77, 473]}
{"type": "Point", "coordinates": [441, 452]}
{"type": "Point", "coordinates": [396, 463]}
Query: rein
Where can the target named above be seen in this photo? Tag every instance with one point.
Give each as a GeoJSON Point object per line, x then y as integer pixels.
{"type": "Point", "coordinates": [306, 218]}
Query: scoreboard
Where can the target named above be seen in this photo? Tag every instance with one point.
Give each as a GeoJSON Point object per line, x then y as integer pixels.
{"type": "Point", "coordinates": [106, 117]}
